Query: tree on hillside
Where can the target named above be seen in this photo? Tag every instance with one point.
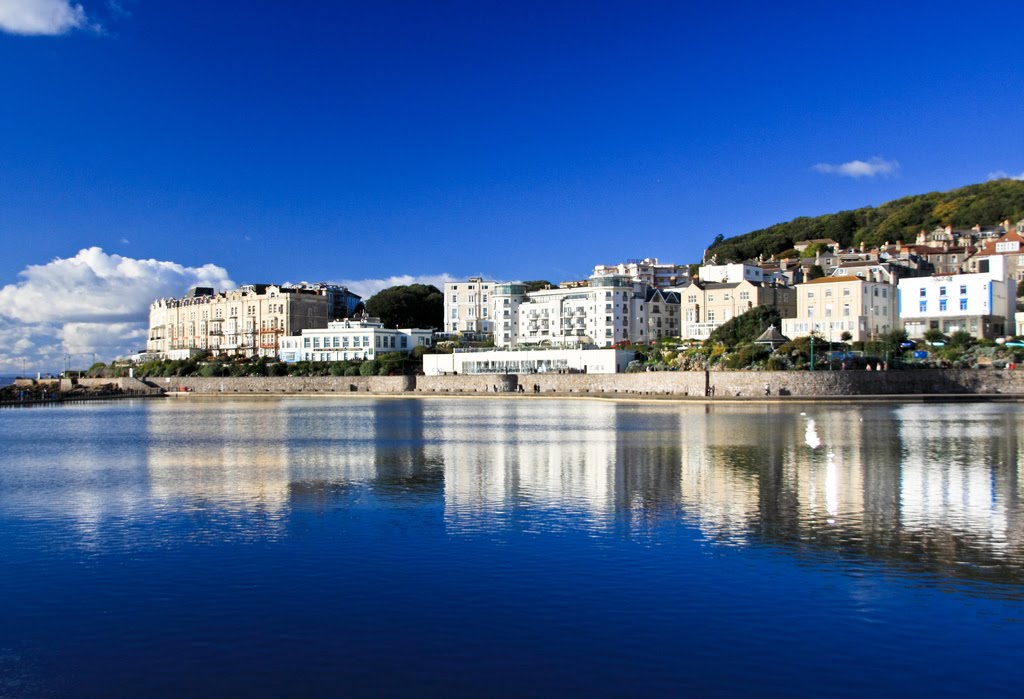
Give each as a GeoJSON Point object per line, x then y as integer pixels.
{"type": "Point", "coordinates": [411, 306]}
{"type": "Point", "coordinates": [988, 203]}
{"type": "Point", "coordinates": [538, 284]}
{"type": "Point", "coordinates": [746, 327]}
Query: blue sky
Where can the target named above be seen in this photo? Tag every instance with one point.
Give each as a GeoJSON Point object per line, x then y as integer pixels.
{"type": "Point", "coordinates": [364, 141]}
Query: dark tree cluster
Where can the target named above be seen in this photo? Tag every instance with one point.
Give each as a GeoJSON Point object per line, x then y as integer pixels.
{"type": "Point", "coordinates": [409, 306]}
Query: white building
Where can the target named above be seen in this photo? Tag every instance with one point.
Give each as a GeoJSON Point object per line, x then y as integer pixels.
{"type": "Point", "coordinates": [350, 339]}
{"type": "Point", "coordinates": [730, 273]}
{"type": "Point", "coordinates": [469, 306]}
{"type": "Point", "coordinates": [609, 311]}
{"type": "Point", "coordinates": [830, 306]}
{"type": "Point", "coordinates": [588, 361]}
{"type": "Point", "coordinates": [647, 271]}
{"type": "Point", "coordinates": [983, 304]}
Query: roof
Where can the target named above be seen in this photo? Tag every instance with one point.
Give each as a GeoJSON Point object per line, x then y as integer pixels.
{"type": "Point", "coordinates": [829, 280]}
{"type": "Point", "coordinates": [989, 246]}
{"type": "Point", "coordinates": [772, 337]}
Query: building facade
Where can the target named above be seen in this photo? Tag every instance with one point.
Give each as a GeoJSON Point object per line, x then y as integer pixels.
{"type": "Point", "coordinates": [830, 306]}
{"type": "Point", "coordinates": [249, 321]}
{"type": "Point", "coordinates": [469, 307]}
{"type": "Point", "coordinates": [703, 307]}
{"type": "Point", "coordinates": [611, 310]}
{"type": "Point", "coordinates": [346, 340]}
{"type": "Point", "coordinates": [983, 304]}
{"type": "Point", "coordinates": [647, 271]}
{"type": "Point", "coordinates": [1010, 248]}
{"type": "Point", "coordinates": [585, 361]}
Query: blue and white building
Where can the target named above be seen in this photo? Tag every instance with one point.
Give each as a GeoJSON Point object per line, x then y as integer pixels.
{"type": "Point", "coordinates": [983, 304]}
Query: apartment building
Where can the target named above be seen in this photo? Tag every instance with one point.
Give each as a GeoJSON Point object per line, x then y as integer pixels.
{"type": "Point", "coordinates": [469, 306]}
{"type": "Point", "coordinates": [704, 306]}
{"type": "Point", "coordinates": [730, 273]}
{"type": "Point", "coordinates": [610, 310]}
{"type": "Point", "coordinates": [662, 314]}
{"type": "Point", "coordinates": [983, 304]}
{"type": "Point", "coordinates": [649, 271]}
{"type": "Point", "coordinates": [830, 306]}
{"type": "Point", "coordinates": [350, 339]}
{"type": "Point", "coordinates": [248, 321]}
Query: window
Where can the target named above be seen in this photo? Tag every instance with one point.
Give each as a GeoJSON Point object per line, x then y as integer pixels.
{"type": "Point", "coordinates": [963, 304]}
{"type": "Point", "coordinates": [963, 289]}
{"type": "Point", "coordinates": [922, 292]}
{"type": "Point", "coordinates": [942, 291]}
{"type": "Point", "coordinates": [923, 307]}
{"type": "Point", "coordinates": [828, 293]}
{"type": "Point", "coordinates": [846, 310]}
{"type": "Point", "coordinates": [846, 291]}
{"type": "Point", "coordinates": [810, 294]}
{"type": "Point", "coordinates": [942, 304]}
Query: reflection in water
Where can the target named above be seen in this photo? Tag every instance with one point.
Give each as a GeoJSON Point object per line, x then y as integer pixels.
{"type": "Point", "coordinates": [933, 487]}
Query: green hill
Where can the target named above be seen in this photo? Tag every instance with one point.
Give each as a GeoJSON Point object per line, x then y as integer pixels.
{"type": "Point", "coordinates": [986, 204]}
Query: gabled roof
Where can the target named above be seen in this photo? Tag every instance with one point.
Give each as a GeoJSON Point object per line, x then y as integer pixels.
{"type": "Point", "coordinates": [988, 247]}
{"type": "Point", "coordinates": [772, 337]}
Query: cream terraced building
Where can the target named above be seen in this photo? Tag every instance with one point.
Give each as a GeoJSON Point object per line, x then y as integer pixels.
{"type": "Point", "coordinates": [249, 321]}
{"type": "Point", "coordinates": [830, 306]}
{"type": "Point", "coordinates": [469, 306]}
{"type": "Point", "coordinates": [706, 306]}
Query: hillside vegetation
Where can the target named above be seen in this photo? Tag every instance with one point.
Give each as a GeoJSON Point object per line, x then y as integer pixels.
{"type": "Point", "coordinates": [986, 204]}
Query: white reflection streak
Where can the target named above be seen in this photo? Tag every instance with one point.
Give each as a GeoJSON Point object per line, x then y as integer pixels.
{"type": "Point", "coordinates": [811, 435]}
{"type": "Point", "coordinates": [831, 488]}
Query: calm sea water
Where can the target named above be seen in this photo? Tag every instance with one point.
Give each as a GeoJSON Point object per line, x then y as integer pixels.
{"type": "Point", "coordinates": [502, 547]}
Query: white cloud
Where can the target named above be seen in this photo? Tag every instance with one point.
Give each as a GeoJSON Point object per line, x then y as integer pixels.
{"type": "Point", "coordinates": [368, 287]}
{"type": "Point", "coordinates": [92, 302]}
{"type": "Point", "coordinates": [1004, 175]}
{"type": "Point", "coordinates": [41, 17]}
{"type": "Point", "coordinates": [860, 168]}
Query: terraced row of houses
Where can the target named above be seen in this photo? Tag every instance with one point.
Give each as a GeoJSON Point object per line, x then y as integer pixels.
{"type": "Point", "coordinates": [854, 294]}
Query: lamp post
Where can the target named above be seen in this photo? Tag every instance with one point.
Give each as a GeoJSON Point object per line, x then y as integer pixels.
{"type": "Point", "coordinates": [812, 351]}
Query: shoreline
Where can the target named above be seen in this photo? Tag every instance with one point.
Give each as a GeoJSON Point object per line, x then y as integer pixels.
{"type": "Point", "coordinates": [921, 386]}
{"type": "Point", "coordinates": [622, 397]}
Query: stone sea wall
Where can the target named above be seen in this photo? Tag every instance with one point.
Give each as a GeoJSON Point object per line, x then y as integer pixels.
{"type": "Point", "coordinates": [725, 384]}
{"type": "Point", "coordinates": [286, 384]}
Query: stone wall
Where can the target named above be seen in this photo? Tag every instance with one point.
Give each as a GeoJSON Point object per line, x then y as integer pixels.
{"type": "Point", "coordinates": [468, 383]}
{"type": "Point", "coordinates": [747, 384]}
{"type": "Point", "coordinates": [286, 384]}
{"type": "Point", "coordinates": [791, 383]}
